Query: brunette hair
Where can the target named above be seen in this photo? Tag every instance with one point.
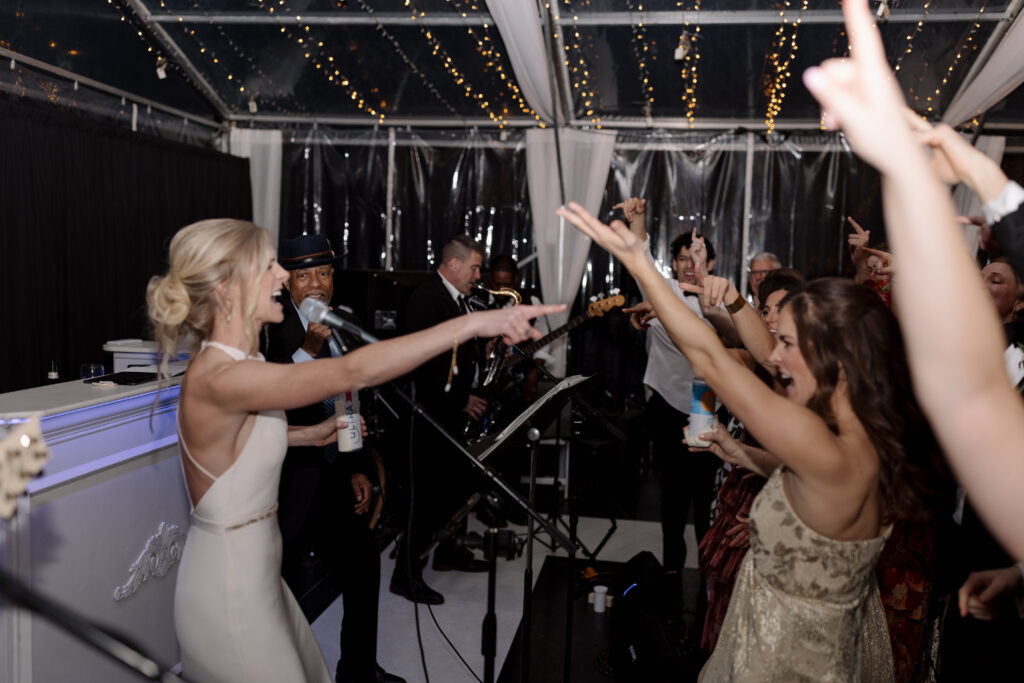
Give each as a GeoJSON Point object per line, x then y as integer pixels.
{"type": "Point", "coordinates": [780, 278]}
{"type": "Point", "coordinates": [685, 239]}
{"type": "Point", "coordinates": [845, 328]}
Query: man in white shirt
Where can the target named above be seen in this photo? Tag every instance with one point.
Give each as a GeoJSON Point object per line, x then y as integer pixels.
{"type": "Point", "coordinates": [686, 478]}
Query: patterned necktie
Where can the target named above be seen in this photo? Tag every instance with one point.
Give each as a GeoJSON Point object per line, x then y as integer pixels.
{"type": "Point", "coordinates": [331, 449]}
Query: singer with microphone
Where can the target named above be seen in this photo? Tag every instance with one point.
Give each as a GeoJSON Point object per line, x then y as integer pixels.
{"type": "Point", "coordinates": [324, 495]}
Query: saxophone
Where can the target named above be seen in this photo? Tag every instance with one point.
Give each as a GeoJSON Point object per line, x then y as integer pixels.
{"type": "Point", "coordinates": [494, 359]}
{"type": "Point", "coordinates": [495, 364]}
{"type": "Point", "coordinates": [503, 291]}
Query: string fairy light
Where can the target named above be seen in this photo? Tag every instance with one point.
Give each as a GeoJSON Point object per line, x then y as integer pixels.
{"type": "Point", "coordinates": [969, 44]}
{"type": "Point", "coordinates": [492, 58]}
{"type": "Point", "coordinates": [579, 72]}
{"type": "Point", "coordinates": [161, 62]}
{"type": "Point", "coordinates": [928, 98]}
{"type": "Point", "coordinates": [690, 58]}
{"type": "Point", "coordinates": [781, 55]}
{"type": "Point", "coordinates": [912, 35]}
{"type": "Point", "coordinates": [130, 17]}
{"type": "Point", "coordinates": [458, 78]}
{"type": "Point", "coordinates": [405, 58]}
{"type": "Point", "coordinates": [205, 50]}
{"type": "Point", "coordinates": [641, 53]}
{"type": "Point", "coordinates": [317, 54]}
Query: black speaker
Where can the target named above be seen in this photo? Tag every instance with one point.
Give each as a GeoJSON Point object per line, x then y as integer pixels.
{"type": "Point", "coordinates": [646, 625]}
{"type": "Point", "coordinates": [378, 297]}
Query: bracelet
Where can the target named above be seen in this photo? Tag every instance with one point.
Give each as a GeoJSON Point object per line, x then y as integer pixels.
{"type": "Point", "coordinates": [735, 306]}
{"type": "Point", "coordinates": [453, 369]}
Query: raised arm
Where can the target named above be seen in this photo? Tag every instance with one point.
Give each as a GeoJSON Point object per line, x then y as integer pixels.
{"type": "Point", "coordinates": [858, 240]}
{"type": "Point", "coordinates": [753, 333]}
{"type": "Point", "coordinates": [250, 386]}
{"type": "Point", "coordinates": [790, 431]}
{"type": "Point", "coordinates": [954, 342]}
{"type": "Point", "coordinates": [955, 160]}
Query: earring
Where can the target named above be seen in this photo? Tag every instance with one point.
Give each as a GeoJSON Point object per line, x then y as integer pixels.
{"type": "Point", "coordinates": [228, 319]}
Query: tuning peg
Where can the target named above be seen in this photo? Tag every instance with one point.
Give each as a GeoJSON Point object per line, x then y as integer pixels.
{"type": "Point", "coordinates": [8, 505]}
{"type": "Point", "coordinates": [614, 291]}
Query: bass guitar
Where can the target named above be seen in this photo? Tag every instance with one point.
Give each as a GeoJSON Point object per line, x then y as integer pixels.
{"type": "Point", "coordinates": [499, 367]}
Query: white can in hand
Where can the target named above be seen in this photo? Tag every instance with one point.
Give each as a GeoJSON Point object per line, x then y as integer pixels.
{"type": "Point", "coordinates": [351, 437]}
{"type": "Point", "coordinates": [702, 414]}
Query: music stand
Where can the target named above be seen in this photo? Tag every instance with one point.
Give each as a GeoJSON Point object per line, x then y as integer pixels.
{"type": "Point", "coordinates": [538, 414]}
{"type": "Point", "coordinates": [530, 423]}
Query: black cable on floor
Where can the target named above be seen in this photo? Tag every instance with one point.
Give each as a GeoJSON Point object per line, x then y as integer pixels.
{"type": "Point", "coordinates": [452, 645]}
{"type": "Point", "coordinates": [408, 538]}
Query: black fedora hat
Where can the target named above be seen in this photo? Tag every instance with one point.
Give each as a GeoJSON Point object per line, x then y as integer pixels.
{"type": "Point", "coordinates": [306, 251]}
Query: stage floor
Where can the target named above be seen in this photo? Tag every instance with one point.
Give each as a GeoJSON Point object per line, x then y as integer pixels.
{"type": "Point", "coordinates": [461, 617]}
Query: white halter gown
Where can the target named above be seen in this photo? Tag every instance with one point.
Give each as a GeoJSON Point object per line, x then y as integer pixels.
{"type": "Point", "coordinates": [235, 618]}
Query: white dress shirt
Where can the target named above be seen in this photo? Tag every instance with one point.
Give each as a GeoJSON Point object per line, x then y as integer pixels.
{"type": "Point", "coordinates": [668, 371]}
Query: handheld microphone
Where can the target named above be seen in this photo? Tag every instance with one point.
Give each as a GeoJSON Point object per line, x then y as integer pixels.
{"type": "Point", "coordinates": [317, 311]}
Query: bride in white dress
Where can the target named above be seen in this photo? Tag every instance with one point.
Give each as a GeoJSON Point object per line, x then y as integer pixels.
{"type": "Point", "coordinates": [235, 618]}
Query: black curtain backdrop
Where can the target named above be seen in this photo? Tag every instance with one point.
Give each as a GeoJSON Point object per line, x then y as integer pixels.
{"type": "Point", "coordinates": [445, 182]}
{"type": "Point", "coordinates": [88, 212]}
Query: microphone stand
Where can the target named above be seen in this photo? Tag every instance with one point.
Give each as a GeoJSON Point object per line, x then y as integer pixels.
{"type": "Point", "coordinates": [580, 406]}
{"type": "Point", "coordinates": [568, 543]}
{"type": "Point", "coordinates": [483, 469]}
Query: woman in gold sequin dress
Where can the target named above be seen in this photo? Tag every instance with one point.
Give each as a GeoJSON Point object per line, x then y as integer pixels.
{"type": "Point", "coordinates": [805, 605]}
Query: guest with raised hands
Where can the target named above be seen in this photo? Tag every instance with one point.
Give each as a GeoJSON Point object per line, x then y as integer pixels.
{"type": "Point", "coordinates": [857, 240]}
{"type": "Point", "coordinates": [685, 479]}
{"type": "Point", "coordinates": [954, 350]}
{"type": "Point", "coordinates": [756, 329]}
{"type": "Point", "coordinates": [871, 265]}
{"type": "Point", "coordinates": [806, 603]}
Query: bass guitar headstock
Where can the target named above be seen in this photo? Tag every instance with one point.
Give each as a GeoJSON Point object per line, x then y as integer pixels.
{"type": "Point", "coordinates": [599, 307]}
{"type": "Point", "coordinates": [22, 456]}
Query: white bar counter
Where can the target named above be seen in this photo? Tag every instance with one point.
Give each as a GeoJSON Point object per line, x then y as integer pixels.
{"type": "Point", "coordinates": [100, 530]}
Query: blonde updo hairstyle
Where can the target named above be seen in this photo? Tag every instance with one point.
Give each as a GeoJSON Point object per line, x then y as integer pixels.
{"type": "Point", "coordinates": [184, 301]}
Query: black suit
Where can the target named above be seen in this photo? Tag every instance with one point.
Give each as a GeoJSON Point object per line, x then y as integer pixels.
{"type": "Point", "coordinates": [430, 305]}
{"type": "Point", "coordinates": [442, 481]}
{"type": "Point", "coordinates": [1009, 233]}
{"type": "Point", "coordinates": [316, 513]}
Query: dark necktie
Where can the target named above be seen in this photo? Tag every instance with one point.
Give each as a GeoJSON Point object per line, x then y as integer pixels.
{"type": "Point", "coordinates": [331, 449]}
{"type": "Point", "coordinates": [464, 304]}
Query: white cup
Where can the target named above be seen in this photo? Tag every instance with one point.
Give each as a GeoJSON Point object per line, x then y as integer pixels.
{"type": "Point", "coordinates": [600, 598]}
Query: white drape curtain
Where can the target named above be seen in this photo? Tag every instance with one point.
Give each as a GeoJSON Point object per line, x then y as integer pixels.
{"type": "Point", "coordinates": [1000, 76]}
{"type": "Point", "coordinates": [967, 203]}
{"type": "Point", "coordinates": [561, 249]}
{"type": "Point", "coordinates": [263, 150]}
{"type": "Point", "coordinates": [520, 27]}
